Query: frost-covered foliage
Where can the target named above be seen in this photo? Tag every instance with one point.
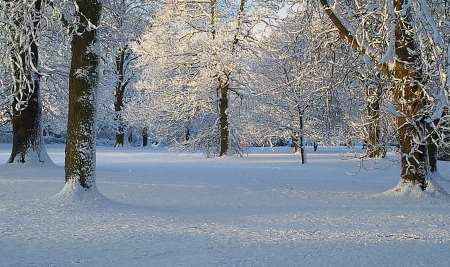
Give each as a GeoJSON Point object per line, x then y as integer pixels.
{"type": "Point", "coordinates": [163, 64]}
{"type": "Point", "coordinates": [183, 71]}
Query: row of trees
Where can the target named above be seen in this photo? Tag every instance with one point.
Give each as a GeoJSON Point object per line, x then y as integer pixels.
{"type": "Point", "coordinates": [219, 75]}
{"type": "Point", "coordinates": [23, 22]}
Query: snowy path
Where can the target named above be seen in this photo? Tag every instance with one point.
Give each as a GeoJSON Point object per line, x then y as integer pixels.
{"type": "Point", "coordinates": [170, 209]}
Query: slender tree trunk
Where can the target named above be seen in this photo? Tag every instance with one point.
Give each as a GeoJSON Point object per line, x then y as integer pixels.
{"type": "Point", "coordinates": [81, 132]}
{"type": "Point", "coordinates": [187, 134]}
{"type": "Point", "coordinates": [28, 142]}
{"type": "Point", "coordinates": [130, 136]}
{"type": "Point", "coordinates": [433, 144]}
{"type": "Point", "coordinates": [374, 150]}
{"type": "Point", "coordinates": [223, 117]}
{"type": "Point", "coordinates": [119, 93]}
{"type": "Point", "coordinates": [410, 100]}
{"type": "Point", "coordinates": [295, 144]}
{"type": "Point", "coordinates": [316, 146]}
{"type": "Point", "coordinates": [120, 136]}
{"type": "Point", "coordinates": [145, 137]}
{"type": "Point", "coordinates": [444, 133]}
{"type": "Point", "coordinates": [301, 139]}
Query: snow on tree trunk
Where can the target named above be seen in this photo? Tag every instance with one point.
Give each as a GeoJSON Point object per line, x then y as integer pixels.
{"type": "Point", "coordinates": [409, 97]}
{"type": "Point", "coordinates": [444, 132]}
{"type": "Point", "coordinates": [28, 142]}
{"type": "Point", "coordinates": [410, 101]}
{"type": "Point", "coordinates": [81, 132]}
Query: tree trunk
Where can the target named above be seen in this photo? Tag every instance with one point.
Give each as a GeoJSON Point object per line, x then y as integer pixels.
{"type": "Point", "coordinates": [316, 146]}
{"type": "Point", "coordinates": [81, 132]}
{"type": "Point", "coordinates": [301, 139]}
{"type": "Point", "coordinates": [120, 136]}
{"type": "Point", "coordinates": [444, 132]}
{"type": "Point", "coordinates": [295, 144]}
{"type": "Point", "coordinates": [119, 95]}
{"type": "Point", "coordinates": [409, 96]}
{"type": "Point", "coordinates": [130, 136]}
{"type": "Point", "coordinates": [28, 142]}
{"type": "Point", "coordinates": [223, 117]}
{"type": "Point", "coordinates": [374, 150]}
{"type": "Point", "coordinates": [187, 134]}
{"type": "Point", "coordinates": [410, 101]}
{"type": "Point", "coordinates": [145, 137]}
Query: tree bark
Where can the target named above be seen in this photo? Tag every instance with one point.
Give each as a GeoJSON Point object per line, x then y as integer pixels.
{"type": "Point", "coordinates": [28, 141]}
{"type": "Point", "coordinates": [119, 93]}
{"type": "Point", "coordinates": [81, 132]}
{"type": "Point", "coordinates": [409, 97]}
{"type": "Point", "coordinates": [223, 117]}
{"type": "Point", "coordinates": [295, 144]}
{"type": "Point", "coordinates": [301, 139]}
{"type": "Point", "coordinates": [410, 100]}
{"type": "Point", "coordinates": [374, 150]}
{"type": "Point", "coordinates": [444, 133]}
{"type": "Point", "coordinates": [145, 137]}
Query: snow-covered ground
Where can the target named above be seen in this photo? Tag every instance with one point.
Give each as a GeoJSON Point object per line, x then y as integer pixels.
{"type": "Point", "coordinates": [174, 209]}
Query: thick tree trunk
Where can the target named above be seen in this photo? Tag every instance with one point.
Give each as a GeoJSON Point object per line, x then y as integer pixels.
{"type": "Point", "coordinates": [223, 117]}
{"type": "Point", "coordinates": [409, 96]}
{"type": "Point", "coordinates": [28, 142]}
{"type": "Point", "coordinates": [410, 101]}
{"type": "Point", "coordinates": [81, 132]}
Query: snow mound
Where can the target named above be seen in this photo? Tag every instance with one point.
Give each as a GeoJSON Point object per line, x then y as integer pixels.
{"type": "Point", "coordinates": [74, 195]}
{"type": "Point", "coordinates": [406, 189]}
{"type": "Point", "coordinates": [29, 164]}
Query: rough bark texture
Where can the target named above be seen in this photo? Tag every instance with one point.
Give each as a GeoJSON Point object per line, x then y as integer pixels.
{"type": "Point", "coordinates": [409, 96]}
{"type": "Point", "coordinates": [410, 100]}
{"type": "Point", "coordinates": [80, 145]}
{"type": "Point", "coordinates": [28, 141]}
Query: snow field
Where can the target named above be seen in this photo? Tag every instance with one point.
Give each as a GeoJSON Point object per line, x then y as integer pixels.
{"type": "Point", "coordinates": [159, 208]}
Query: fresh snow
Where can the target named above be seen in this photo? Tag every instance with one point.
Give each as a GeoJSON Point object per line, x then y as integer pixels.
{"type": "Point", "coordinates": [158, 208]}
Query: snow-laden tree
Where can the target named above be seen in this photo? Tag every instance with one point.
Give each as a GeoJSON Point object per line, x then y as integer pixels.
{"type": "Point", "coordinates": [413, 56]}
{"type": "Point", "coordinates": [303, 87]}
{"type": "Point", "coordinates": [194, 72]}
{"type": "Point", "coordinates": [22, 23]}
{"type": "Point", "coordinates": [83, 81]}
{"type": "Point", "coordinates": [122, 24]}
